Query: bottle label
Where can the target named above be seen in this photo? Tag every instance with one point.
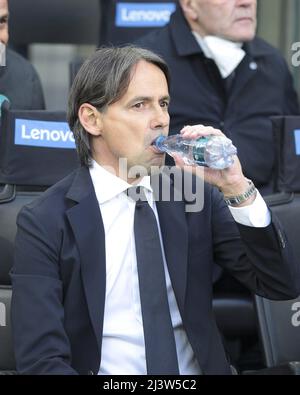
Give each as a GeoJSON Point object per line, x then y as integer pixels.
{"type": "Point", "coordinates": [199, 150]}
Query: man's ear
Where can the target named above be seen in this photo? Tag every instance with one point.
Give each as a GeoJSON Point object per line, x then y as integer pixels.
{"type": "Point", "coordinates": [90, 119]}
{"type": "Point", "coordinates": [189, 9]}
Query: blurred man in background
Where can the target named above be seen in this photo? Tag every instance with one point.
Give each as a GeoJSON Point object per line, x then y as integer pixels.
{"type": "Point", "coordinates": [19, 82]}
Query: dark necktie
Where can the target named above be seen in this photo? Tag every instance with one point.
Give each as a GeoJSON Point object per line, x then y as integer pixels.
{"type": "Point", "coordinates": [161, 357]}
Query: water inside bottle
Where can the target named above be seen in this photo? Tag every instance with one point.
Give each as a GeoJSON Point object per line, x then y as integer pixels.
{"type": "Point", "coordinates": [212, 151]}
{"type": "Point", "coordinates": [219, 153]}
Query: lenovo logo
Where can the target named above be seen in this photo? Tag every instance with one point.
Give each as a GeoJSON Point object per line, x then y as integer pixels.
{"type": "Point", "coordinates": [43, 134]}
{"type": "Point", "coordinates": [143, 14]}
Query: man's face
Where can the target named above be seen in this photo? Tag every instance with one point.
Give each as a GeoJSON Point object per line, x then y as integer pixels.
{"type": "Point", "coordinates": [3, 22]}
{"type": "Point", "coordinates": [129, 125]}
{"type": "Point", "coordinates": [230, 19]}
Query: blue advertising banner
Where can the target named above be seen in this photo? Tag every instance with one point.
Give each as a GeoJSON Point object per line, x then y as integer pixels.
{"type": "Point", "coordinates": [143, 14]}
{"type": "Point", "coordinates": [297, 141]}
{"type": "Point", "coordinates": [43, 134]}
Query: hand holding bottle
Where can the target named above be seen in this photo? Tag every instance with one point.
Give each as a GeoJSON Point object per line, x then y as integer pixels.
{"type": "Point", "coordinates": [230, 180]}
{"type": "Point", "coordinates": [212, 151]}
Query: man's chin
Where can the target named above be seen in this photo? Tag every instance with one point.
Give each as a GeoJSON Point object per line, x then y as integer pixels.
{"type": "Point", "coordinates": [245, 34]}
{"type": "Point", "coordinates": [144, 169]}
{"type": "Point", "coordinates": [158, 161]}
{"type": "Point", "coordinates": [247, 37]}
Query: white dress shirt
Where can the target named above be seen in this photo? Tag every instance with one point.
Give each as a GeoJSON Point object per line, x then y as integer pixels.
{"type": "Point", "coordinates": [123, 346]}
{"type": "Point", "coordinates": [226, 54]}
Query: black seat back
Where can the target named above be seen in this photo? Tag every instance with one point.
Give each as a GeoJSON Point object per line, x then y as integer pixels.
{"type": "Point", "coordinates": [7, 359]}
{"type": "Point", "coordinates": [11, 202]}
{"type": "Point", "coordinates": [37, 148]}
{"type": "Point", "coordinates": [286, 131]}
{"type": "Point", "coordinates": [35, 152]}
{"type": "Point", "coordinates": [56, 21]}
{"type": "Point", "coordinates": [124, 21]}
{"type": "Point", "coordinates": [279, 321]}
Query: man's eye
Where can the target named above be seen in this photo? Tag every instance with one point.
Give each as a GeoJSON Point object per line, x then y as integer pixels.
{"type": "Point", "coordinates": [138, 105]}
{"type": "Point", "coordinates": [3, 21]}
{"type": "Point", "coordinates": [165, 104]}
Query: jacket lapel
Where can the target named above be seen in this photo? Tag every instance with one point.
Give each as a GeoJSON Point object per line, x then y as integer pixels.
{"type": "Point", "coordinates": [246, 71]}
{"type": "Point", "coordinates": [174, 231]}
{"type": "Point", "coordinates": [86, 223]}
{"type": "Point", "coordinates": [255, 51]}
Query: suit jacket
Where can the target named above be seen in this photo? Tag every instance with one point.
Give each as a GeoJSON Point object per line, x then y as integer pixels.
{"type": "Point", "coordinates": [262, 88]}
{"type": "Point", "coordinates": [59, 274]}
{"type": "Point", "coordinates": [20, 83]}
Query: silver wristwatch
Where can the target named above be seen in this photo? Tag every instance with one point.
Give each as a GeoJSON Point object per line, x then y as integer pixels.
{"type": "Point", "coordinates": [237, 200]}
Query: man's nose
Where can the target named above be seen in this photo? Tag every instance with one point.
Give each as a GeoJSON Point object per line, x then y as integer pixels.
{"type": "Point", "coordinates": [4, 36]}
{"type": "Point", "coordinates": [245, 3]}
{"type": "Point", "coordinates": [160, 118]}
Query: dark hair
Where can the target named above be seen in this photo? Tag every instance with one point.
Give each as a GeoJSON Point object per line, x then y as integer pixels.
{"type": "Point", "coordinates": [102, 80]}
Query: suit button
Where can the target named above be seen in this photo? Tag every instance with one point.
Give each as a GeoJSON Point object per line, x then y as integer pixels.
{"type": "Point", "coordinates": [222, 123]}
{"type": "Point", "coordinates": [90, 373]}
{"type": "Point", "coordinates": [253, 66]}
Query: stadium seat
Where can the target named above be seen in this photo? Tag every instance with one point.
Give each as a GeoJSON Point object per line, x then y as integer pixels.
{"type": "Point", "coordinates": [7, 360]}
{"type": "Point", "coordinates": [279, 321]}
{"type": "Point", "coordinates": [124, 21]}
{"type": "Point", "coordinates": [35, 152]}
{"type": "Point", "coordinates": [286, 132]}
{"type": "Point", "coordinates": [54, 22]}
{"type": "Point", "coordinates": [74, 67]}
{"type": "Point", "coordinates": [37, 148]}
{"type": "Point", "coordinates": [11, 201]}
{"type": "Point", "coordinates": [236, 319]}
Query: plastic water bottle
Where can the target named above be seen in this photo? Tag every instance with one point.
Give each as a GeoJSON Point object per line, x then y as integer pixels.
{"type": "Point", "coordinates": [212, 151]}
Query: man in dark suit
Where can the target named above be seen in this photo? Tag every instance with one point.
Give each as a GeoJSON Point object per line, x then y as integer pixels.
{"type": "Point", "coordinates": [81, 301]}
{"type": "Point", "coordinates": [226, 77]}
{"type": "Point", "coordinates": [19, 81]}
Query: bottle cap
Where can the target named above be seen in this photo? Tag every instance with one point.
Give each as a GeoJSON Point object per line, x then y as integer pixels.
{"type": "Point", "coordinates": [158, 142]}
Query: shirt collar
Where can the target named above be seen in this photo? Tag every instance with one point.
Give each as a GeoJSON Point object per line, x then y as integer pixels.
{"type": "Point", "coordinates": [107, 185]}
{"type": "Point", "coordinates": [226, 54]}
